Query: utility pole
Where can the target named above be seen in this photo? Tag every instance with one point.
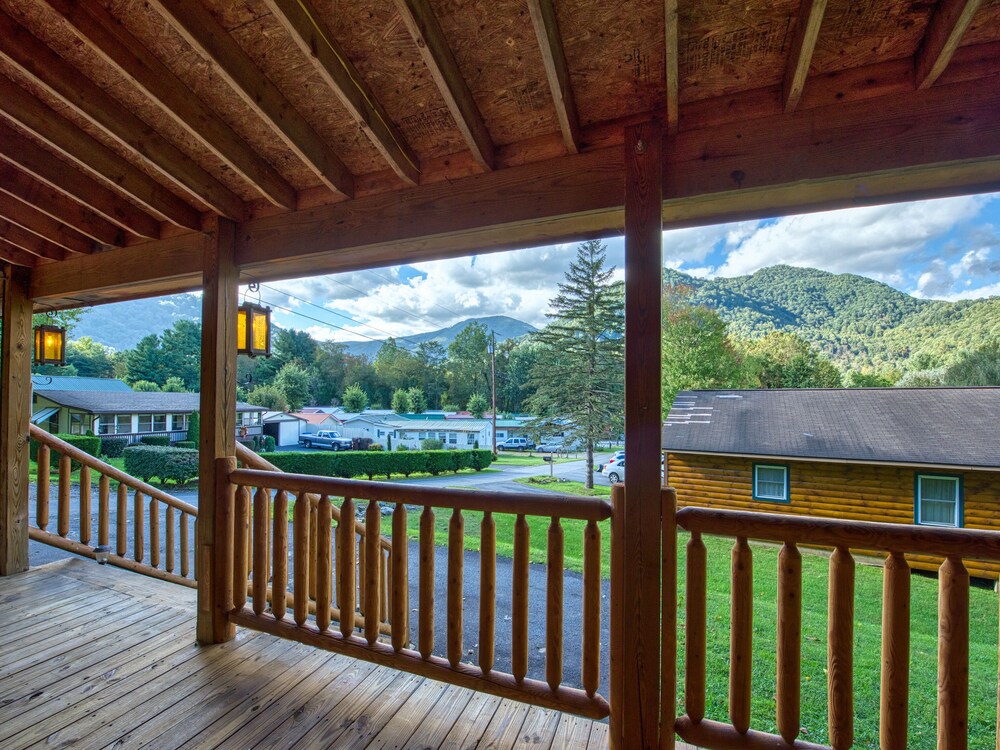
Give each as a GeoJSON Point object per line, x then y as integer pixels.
{"type": "Point", "coordinates": [493, 384]}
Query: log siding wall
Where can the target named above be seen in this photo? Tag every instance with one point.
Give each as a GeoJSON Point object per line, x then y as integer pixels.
{"type": "Point", "coordinates": [861, 492]}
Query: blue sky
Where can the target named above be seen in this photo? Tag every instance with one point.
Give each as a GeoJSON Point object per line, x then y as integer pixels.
{"type": "Point", "coordinates": [941, 249]}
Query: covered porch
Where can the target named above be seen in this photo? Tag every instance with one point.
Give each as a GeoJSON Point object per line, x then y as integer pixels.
{"type": "Point", "coordinates": [172, 146]}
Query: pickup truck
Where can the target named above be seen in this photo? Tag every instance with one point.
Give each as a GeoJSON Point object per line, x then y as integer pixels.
{"type": "Point", "coordinates": [326, 439]}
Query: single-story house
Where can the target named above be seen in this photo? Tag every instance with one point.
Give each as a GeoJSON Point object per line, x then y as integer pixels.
{"type": "Point", "coordinates": [364, 426]}
{"type": "Point", "coordinates": [129, 414]}
{"type": "Point", "coordinates": [313, 422]}
{"type": "Point", "coordinates": [927, 456]}
{"type": "Point", "coordinates": [284, 427]}
{"type": "Point", "coordinates": [454, 433]}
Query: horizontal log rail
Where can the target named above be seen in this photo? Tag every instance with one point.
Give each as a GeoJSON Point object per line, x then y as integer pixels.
{"type": "Point", "coordinates": [338, 577]}
{"type": "Point", "coordinates": [954, 545]}
{"type": "Point", "coordinates": [135, 547]}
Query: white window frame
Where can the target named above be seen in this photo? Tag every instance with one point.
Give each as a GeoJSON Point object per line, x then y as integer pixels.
{"type": "Point", "coordinates": [757, 495]}
{"type": "Point", "coordinates": [918, 500]}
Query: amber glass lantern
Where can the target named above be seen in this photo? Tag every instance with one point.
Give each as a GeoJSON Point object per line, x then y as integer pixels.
{"type": "Point", "coordinates": [50, 345]}
{"type": "Point", "coordinates": [253, 330]}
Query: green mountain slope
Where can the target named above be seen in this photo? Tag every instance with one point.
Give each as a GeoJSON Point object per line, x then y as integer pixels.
{"type": "Point", "coordinates": [854, 320]}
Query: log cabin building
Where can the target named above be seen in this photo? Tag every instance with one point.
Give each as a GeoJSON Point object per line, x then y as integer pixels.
{"type": "Point", "coordinates": [926, 456]}
{"type": "Point", "coordinates": [159, 146]}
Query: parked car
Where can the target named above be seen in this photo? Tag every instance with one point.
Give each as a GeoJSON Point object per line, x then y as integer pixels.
{"type": "Point", "coordinates": [516, 444]}
{"type": "Point", "coordinates": [617, 458]}
{"type": "Point", "coordinates": [615, 472]}
{"type": "Point", "coordinates": [551, 447]}
{"type": "Point", "coordinates": [326, 439]}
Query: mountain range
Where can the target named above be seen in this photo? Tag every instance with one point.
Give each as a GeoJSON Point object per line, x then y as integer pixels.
{"type": "Point", "coordinates": [856, 321]}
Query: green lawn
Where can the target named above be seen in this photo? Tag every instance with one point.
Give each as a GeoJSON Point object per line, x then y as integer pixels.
{"type": "Point", "coordinates": [118, 463]}
{"type": "Point", "coordinates": [564, 486]}
{"type": "Point", "coordinates": [509, 458]}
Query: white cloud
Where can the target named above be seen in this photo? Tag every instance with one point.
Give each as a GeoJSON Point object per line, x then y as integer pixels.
{"type": "Point", "coordinates": [872, 241]}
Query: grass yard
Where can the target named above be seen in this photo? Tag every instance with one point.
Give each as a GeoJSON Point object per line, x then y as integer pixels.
{"type": "Point", "coordinates": [508, 458]}
{"type": "Point", "coordinates": [118, 463]}
{"type": "Point", "coordinates": [564, 486]}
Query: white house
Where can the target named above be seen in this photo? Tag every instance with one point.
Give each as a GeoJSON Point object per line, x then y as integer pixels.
{"type": "Point", "coordinates": [364, 426]}
{"type": "Point", "coordinates": [454, 433]}
{"type": "Point", "coordinates": [284, 427]}
{"type": "Point", "coordinates": [313, 422]}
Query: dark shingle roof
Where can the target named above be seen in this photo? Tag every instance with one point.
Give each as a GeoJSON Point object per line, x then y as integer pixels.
{"type": "Point", "coordinates": [939, 426]}
{"type": "Point", "coordinates": [133, 402]}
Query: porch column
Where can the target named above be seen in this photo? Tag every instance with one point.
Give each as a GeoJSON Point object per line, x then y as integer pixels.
{"type": "Point", "coordinates": [15, 410]}
{"type": "Point", "coordinates": [637, 720]}
{"type": "Point", "coordinates": [220, 289]}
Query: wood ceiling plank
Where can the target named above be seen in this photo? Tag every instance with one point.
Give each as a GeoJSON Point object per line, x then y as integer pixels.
{"type": "Point", "coordinates": [807, 28]}
{"type": "Point", "coordinates": [671, 62]}
{"type": "Point", "coordinates": [304, 23]}
{"type": "Point", "coordinates": [110, 40]}
{"type": "Point", "coordinates": [35, 160]}
{"type": "Point", "coordinates": [68, 140]}
{"type": "Point", "coordinates": [30, 242]}
{"type": "Point", "coordinates": [199, 28]}
{"type": "Point", "coordinates": [16, 256]}
{"type": "Point", "coordinates": [543, 18]}
{"type": "Point", "coordinates": [440, 61]}
{"type": "Point", "coordinates": [24, 187]}
{"type": "Point", "coordinates": [944, 33]}
{"type": "Point", "coordinates": [45, 226]}
{"type": "Point", "coordinates": [43, 66]}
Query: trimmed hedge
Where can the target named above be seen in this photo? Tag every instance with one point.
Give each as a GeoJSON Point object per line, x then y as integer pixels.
{"type": "Point", "coordinates": [155, 440]}
{"type": "Point", "coordinates": [349, 464]}
{"type": "Point", "coordinates": [113, 447]}
{"type": "Point", "coordinates": [87, 443]}
{"type": "Point", "coordinates": [185, 444]}
{"type": "Point", "coordinates": [147, 461]}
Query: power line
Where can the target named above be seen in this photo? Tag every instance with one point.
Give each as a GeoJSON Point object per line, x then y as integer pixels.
{"type": "Point", "coordinates": [327, 310]}
{"type": "Point", "coordinates": [436, 304]}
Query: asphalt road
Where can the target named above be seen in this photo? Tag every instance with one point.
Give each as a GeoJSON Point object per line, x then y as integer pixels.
{"type": "Point", "coordinates": [499, 481]}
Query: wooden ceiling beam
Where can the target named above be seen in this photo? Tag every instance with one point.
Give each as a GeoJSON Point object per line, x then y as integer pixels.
{"type": "Point", "coordinates": [800, 56]}
{"type": "Point", "coordinates": [671, 65]}
{"type": "Point", "coordinates": [543, 18]}
{"type": "Point", "coordinates": [304, 23]}
{"type": "Point", "coordinates": [193, 21]}
{"type": "Point", "coordinates": [16, 256]}
{"type": "Point", "coordinates": [43, 66]}
{"type": "Point", "coordinates": [51, 202]}
{"type": "Point", "coordinates": [30, 242]}
{"type": "Point", "coordinates": [106, 37]}
{"type": "Point", "coordinates": [440, 61]}
{"type": "Point", "coordinates": [944, 33]}
{"type": "Point", "coordinates": [45, 226]}
{"type": "Point", "coordinates": [68, 140]}
{"type": "Point", "coordinates": [35, 160]}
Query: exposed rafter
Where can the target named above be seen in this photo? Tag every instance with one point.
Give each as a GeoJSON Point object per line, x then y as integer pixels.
{"type": "Point", "coordinates": [440, 61]}
{"type": "Point", "coordinates": [45, 226]}
{"type": "Point", "coordinates": [26, 188]}
{"type": "Point", "coordinates": [109, 39]}
{"type": "Point", "coordinates": [43, 66]}
{"type": "Point", "coordinates": [543, 18]}
{"type": "Point", "coordinates": [16, 256]}
{"type": "Point", "coordinates": [23, 152]}
{"type": "Point", "coordinates": [671, 65]}
{"type": "Point", "coordinates": [803, 43]}
{"type": "Point", "coordinates": [68, 140]}
{"type": "Point", "coordinates": [200, 29]}
{"type": "Point", "coordinates": [304, 23]}
{"type": "Point", "coordinates": [30, 242]}
{"type": "Point", "coordinates": [944, 33]}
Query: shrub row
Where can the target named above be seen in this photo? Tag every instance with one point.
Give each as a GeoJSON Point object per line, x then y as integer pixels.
{"type": "Point", "coordinates": [87, 443]}
{"type": "Point", "coordinates": [349, 464]}
{"type": "Point", "coordinates": [155, 440]}
{"type": "Point", "coordinates": [167, 464]}
{"type": "Point", "coordinates": [113, 447]}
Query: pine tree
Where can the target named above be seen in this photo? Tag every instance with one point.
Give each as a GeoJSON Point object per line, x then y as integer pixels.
{"type": "Point", "coordinates": [355, 399]}
{"type": "Point", "coordinates": [580, 378]}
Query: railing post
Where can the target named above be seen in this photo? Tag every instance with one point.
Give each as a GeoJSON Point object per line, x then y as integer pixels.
{"type": "Point", "coordinates": [636, 720]}
{"type": "Point", "coordinates": [15, 409]}
{"type": "Point", "coordinates": [217, 439]}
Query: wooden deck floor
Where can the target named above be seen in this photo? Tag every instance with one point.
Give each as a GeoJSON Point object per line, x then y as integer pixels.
{"type": "Point", "coordinates": [96, 657]}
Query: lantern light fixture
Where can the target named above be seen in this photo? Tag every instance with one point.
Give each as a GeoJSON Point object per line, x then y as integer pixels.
{"type": "Point", "coordinates": [253, 327]}
{"type": "Point", "coordinates": [50, 345]}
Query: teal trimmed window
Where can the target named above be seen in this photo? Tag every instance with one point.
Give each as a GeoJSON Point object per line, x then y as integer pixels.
{"type": "Point", "coordinates": [770, 483]}
{"type": "Point", "coordinates": [937, 500]}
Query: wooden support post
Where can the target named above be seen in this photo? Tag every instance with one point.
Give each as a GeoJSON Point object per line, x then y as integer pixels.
{"type": "Point", "coordinates": [15, 409]}
{"type": "Point", "coordinates": [218, 427]}
{"type": "Point", "coordinates": [635, 720]}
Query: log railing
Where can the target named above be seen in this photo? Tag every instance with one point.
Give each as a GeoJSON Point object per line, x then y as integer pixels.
{"type": "Point", "coordinates": [153, 531]}
{"type": "Point", "coordinates": [953, 545]}
{"type": "Point", "coordinates": [337, 584]}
